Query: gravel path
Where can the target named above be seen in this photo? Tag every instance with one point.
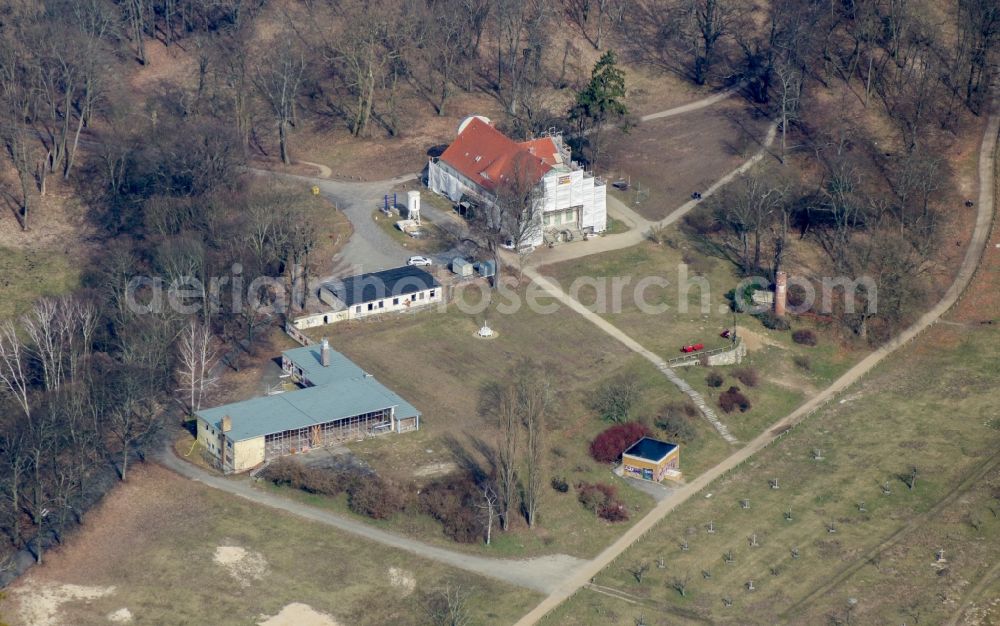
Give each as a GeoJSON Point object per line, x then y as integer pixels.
{"type": "Point", "coordinates": [541, 573]}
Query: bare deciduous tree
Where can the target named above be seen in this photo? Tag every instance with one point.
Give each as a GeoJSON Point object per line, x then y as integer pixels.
{"type": "Point", "coordinates": [130, 423]}
{"type": "Point", "coordinates": [978, 34]}
{"type": "Point", "coordinates": [680, 584]}
{"type": "Point", "coordinates": [14, 366]}
{"type": "Point", "coordinates": [746, 210]}
{"type": "Point", "coordinates": [511, 217]}
{"type": "Point", "coordinates": [489, 508]}
{"type": "Point", "coordinates": [521, 32]}
{"type": "Point", "coordinates": [278, 75]}
{"type": "Point", "coordinates": [197, 358]}
{"type": "Point", "coordinates": [615, 398]}
{"type": "Point", "coordinates": [595, 17]}
{"type": "Point", "coordinates": [17, 99]}
{"type": "Point", "coordinates": [507, 452]}
{"type": "Point", "coordinates": [638, 571]}
{"type": "Point", "coordinates": [533, 392]}
{"type": "Point", "coordinates": [448, 606]}
{"type": "Point", "coordinates": [60, 331]}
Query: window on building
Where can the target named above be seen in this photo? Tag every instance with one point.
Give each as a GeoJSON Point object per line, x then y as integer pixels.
{"type": "Point", "coordinates": [381, 304]}
{"type": "Point", "coordinates": [371, 306]}
{"type": "Point", "coordinates": [432, 293]}
{"type": "Point", "coordinates": [421, 296]}
{"type": "Point", "coordinates": [357, 309]}
{"type": "Point", "coordinates": [395, 301]}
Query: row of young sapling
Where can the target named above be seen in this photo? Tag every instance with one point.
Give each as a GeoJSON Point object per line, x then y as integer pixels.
{"type": "Point", "coordinates": [680, 583]}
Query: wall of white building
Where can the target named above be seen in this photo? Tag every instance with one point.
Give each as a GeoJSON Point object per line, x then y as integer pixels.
{"type": "Point", "coordinates": [339, 312]}
{"type": "Point", "coordinates": [565, 190]}
{"type": "Point", "coordinates": [392, 304]}
{"type": "Point", "coordinates": [560, 191]}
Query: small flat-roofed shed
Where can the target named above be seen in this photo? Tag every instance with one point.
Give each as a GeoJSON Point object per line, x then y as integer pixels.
{"type": "Point", "coordinates": [651, 459]}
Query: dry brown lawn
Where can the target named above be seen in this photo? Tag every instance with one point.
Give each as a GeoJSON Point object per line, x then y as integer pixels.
{"type": "Point", "coordinates": [673, 157]}
{"type": "Point", "coordinates": [172, 551]}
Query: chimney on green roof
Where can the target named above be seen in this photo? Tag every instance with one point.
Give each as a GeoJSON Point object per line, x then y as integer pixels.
{"type": "Point", "coordinates": [324, 353]}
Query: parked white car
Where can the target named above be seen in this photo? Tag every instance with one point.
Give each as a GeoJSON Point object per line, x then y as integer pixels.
{"type": "Point", "coordinates": [419, 260]}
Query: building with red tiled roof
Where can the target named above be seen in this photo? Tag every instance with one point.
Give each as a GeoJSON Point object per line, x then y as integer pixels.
{"type": "Point", "coordinates": [569, 202]}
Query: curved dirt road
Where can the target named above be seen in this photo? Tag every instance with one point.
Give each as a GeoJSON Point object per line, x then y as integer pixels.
{"type": "Point", "coordinates": [541, 573]}
{"type": "Point", "coordinates": [964, 276]}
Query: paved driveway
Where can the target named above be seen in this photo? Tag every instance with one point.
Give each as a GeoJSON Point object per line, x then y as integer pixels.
{"type": "Point", "coordinates": [370, 249]}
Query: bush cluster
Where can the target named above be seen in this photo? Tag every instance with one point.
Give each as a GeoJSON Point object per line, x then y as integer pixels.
{"type": "Point", "coordinates": [677, 424]}
{"type": "Point", "coordinates": [374, 496]}
{"type": "Point", "coordinates": [748, 376]}
{"type": "Point", "coordinates": [796, 295]}
{"type": "Point", "coordinates": [608, 446]}
{"type": "Point", "coordinates": [714, 379]}
{"type": "Point", "coordinates": [368, 493]}
{"type": "Point", "coordinates": [289, 473]}
{"type": "Point", "coordinates": [559, 484]}
{"type": "Point", "coordinates": [732, 399]}
{"type": "Point", "coordinates": [602, 499]}
{"type": "Point", "coordinates": [804, 337]}
{"type": "Point", "coordinates": [772, 321]}
{"type": "Point", "coordinates": [454, 501]}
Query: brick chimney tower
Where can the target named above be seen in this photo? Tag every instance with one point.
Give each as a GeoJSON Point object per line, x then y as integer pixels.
{"type": "Point", "coordinates": [780, 293]}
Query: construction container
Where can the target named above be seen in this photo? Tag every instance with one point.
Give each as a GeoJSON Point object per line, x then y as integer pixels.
{"type": "Point", "coordinates": [486, 269]}
{"type": "Point", "coordinates": [462, 267]}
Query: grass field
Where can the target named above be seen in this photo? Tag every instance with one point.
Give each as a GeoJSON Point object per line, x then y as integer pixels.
{"type": "Point", "coordinates": [436, 361]}
{"type": "Point", "coordinates": [27, 274]}
{"type": "Point", "coordinates": [932, 406]}
{"type": "Point", "coordinates": [783, 384]}
{"type": "Point", "coordinates": [153, 548]}
{"type": "Point", "coordinates": [667, 159]}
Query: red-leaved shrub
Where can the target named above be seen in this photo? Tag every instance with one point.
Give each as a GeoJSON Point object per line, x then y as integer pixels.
{"type": "Point", "coordinates": [732, 399]}
{"type": "Point", "coordinates": [614, 511]}
{"type": "Point", "coordinates": [602, 499]}
{"type": "Point", "coordinates": [609, 445]}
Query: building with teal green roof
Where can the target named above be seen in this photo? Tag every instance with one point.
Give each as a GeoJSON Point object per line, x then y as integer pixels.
{"type": "Point", "coordinates": [333, 401]}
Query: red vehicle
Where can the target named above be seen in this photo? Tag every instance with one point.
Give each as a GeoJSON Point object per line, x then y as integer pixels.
{"type": "Point", "coordinates": [693, 347]}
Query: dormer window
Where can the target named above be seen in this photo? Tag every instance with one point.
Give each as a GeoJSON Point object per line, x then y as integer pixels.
{"type": "Point", "coordinates": [478, 158]}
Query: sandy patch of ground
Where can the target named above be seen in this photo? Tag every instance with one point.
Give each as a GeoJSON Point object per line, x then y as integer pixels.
{"type": "Point", "coordinates": [121, 616]}
{"type": "Point", "coordinates": [755, 340]}
{"type": "Point", "coordinates": [298, 614]}
{"type": "Point", "coordinates": [244, 565]}
{"type": "Point", "coordinates": [402, 580]}
{"type": "Point", "coordinates": [40, 603]}
{"type": "Point", "coordinates": [435, 469]}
